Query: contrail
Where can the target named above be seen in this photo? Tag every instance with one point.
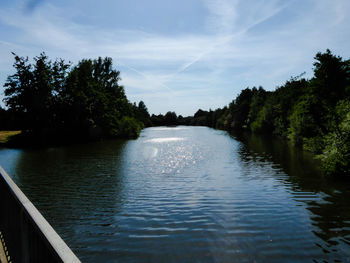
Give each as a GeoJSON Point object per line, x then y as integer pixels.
{"type": "Point", "coordinates": [201, 55]}
{"type": "Point", "coordinates": [225, 40]}
{"type": "Point", "coordinates": [146, 76]}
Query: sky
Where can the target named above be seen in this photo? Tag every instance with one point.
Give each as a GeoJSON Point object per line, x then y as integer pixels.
{"type": "Point", "coordinates": [180, 55]}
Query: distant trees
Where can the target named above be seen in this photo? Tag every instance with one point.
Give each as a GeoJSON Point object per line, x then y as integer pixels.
{"type": "Point", "coordinates": [86, 100]}
{"type": "Point", "coordinates": [200, 118]}
{"type": "Point", "coordinates": [141, 113]}
{"type": "Point", "coordinates": [314, 114]}
{"type": "Point", "coordinates": [170, 119]}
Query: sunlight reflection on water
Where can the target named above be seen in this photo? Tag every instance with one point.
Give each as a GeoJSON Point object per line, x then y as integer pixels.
{"type": "Point", "coordinates": [169, 139]}
{"type": "Point", "coordinates": [150, 152]}
{"type": "Point", "coordinates": [168, 128]}
{"type": "Point", "coordinates": [196, 194]}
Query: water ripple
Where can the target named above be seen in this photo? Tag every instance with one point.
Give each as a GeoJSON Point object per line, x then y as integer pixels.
{"type": "Point", "coordinates": [187, 194]}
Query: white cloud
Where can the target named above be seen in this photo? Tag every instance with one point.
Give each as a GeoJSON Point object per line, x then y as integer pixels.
{"type": "Point", "coordinates": [238, 47]}
{"type": "Point", "coordinates": [223, 15]}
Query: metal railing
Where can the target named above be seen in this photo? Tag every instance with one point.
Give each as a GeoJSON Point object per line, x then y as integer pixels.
{"type": "Point", "coordinates": [29, 237]}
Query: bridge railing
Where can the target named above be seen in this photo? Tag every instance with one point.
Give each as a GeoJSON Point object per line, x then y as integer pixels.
{"type": "Point", "coordinates": [28, 236]}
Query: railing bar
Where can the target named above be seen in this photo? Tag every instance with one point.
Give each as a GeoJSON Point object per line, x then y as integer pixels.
{"type": "Point", "coordinates": [56, 242]}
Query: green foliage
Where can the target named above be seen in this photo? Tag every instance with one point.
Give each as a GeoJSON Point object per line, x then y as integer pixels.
{"type": "Point", "coordinates": [240, 108]}
{"type": "Point", "coordinates": [313, 114]}
{"type": "Point", "coordinates": [336, 153]}
{"type": "Point", "coordinates": [331, 77]}
{"type": "Point", "coordinates": [263, 121]}
{"type": "Point", "coordinates": [31, 90]}
{"type": "Point", "coordinates": [257, 102]}
{"type": "Point", "coordinates": [86, 99]}
{"type": "Point", "coordinates": [157, 120]}
{"type": "Point", "coordinates": [314, 144]}
{"type": "Point", "coordinates": [284, 99]}
{"type": "Point", "coordinates": [170, 118]}
{"type": "Point", "coordinates": [302, 121]}
{"type": "Point", "coordinates": [141, 114]}
{"type": "Point", "coordinates": [129, 128]}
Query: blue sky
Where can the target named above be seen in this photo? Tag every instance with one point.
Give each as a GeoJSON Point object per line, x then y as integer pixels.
{"type": "Point", "coordinates": [180, 55]}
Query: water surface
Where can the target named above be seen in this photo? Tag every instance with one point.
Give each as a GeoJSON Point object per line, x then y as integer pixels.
{"type": "Point", "coordinates": [187, 194]}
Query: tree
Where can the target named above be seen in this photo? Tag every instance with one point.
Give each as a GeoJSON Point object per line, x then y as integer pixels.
{"type": "Point", "coordinates": [56, 99]}
{"type": "Point", "coordinates": [336, 153]}
{"type": "Point", "coordinates": [257, 102]}
{"type": "Point", "coordinates": [240, 108]}
{"type": "Point", "coordinates": [170, 118]}
{"type": "Point", "coordinates": [19, 92]}
{"type": "Point", "coordinates": [331, 77]}
{"type": "Point", "coordinates": [285, 98]}
{"type": "Point", "coordinates": [142, 114]}
{"type": "Point", "coordinates": [30, 91]}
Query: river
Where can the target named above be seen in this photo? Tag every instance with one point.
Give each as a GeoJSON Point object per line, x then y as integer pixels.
{"type": "Point", "coordinates": [187, 194]}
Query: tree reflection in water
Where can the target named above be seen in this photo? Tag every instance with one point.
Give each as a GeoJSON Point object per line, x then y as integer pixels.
{"type": "Point", "coordinates": [328, 200]}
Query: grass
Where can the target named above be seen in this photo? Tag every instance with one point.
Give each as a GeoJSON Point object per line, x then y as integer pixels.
{"type": "Point", "coordinates": [5, 135]}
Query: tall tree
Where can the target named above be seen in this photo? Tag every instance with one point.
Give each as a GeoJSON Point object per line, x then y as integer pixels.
{"type": "Point", "coordinates": [86, 99]}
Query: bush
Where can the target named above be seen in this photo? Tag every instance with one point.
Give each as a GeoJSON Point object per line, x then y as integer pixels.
{"type": "Point", "coordinates": [336, 154]}
{"type": "Point", "coordinates": [302, 122]}
{"type": "Point", "coordinates": [262, 124]}
{"type": "Point", "coordinates": [129, 128]}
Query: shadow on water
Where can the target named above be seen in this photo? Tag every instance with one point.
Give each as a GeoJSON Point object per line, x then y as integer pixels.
{"type": "Point", "coordinates": [83, 182]}
{"type": "Point", "coordinates": [328, 200]}
{"type": "Point", "coordinates": [187, 194]}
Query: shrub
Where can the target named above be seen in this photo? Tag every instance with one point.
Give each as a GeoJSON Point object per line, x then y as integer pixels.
{"type": "Point", "coordinates": [129, 128]}
{"type": "Point", "coordinates": [336, 154]}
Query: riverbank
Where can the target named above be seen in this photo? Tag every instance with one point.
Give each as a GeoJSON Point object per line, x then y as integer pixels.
{"type": "Point", "coordinates": [50, 138]}
{"type": "Point", "coordinates": [23, 139]}
{"type": "Point", "coordinates": [5, 136]}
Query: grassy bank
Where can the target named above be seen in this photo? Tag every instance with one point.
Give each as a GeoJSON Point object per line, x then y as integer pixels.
{"type": "Point", "coordinates": [6, 135]}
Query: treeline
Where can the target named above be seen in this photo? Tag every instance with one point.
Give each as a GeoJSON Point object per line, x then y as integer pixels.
{"type": "Point", "coordinates": [200, 118]}
{"type": "Point", "coordinates": [313, 114]}
{"type": "Point", "coordinates": [54, 100]}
